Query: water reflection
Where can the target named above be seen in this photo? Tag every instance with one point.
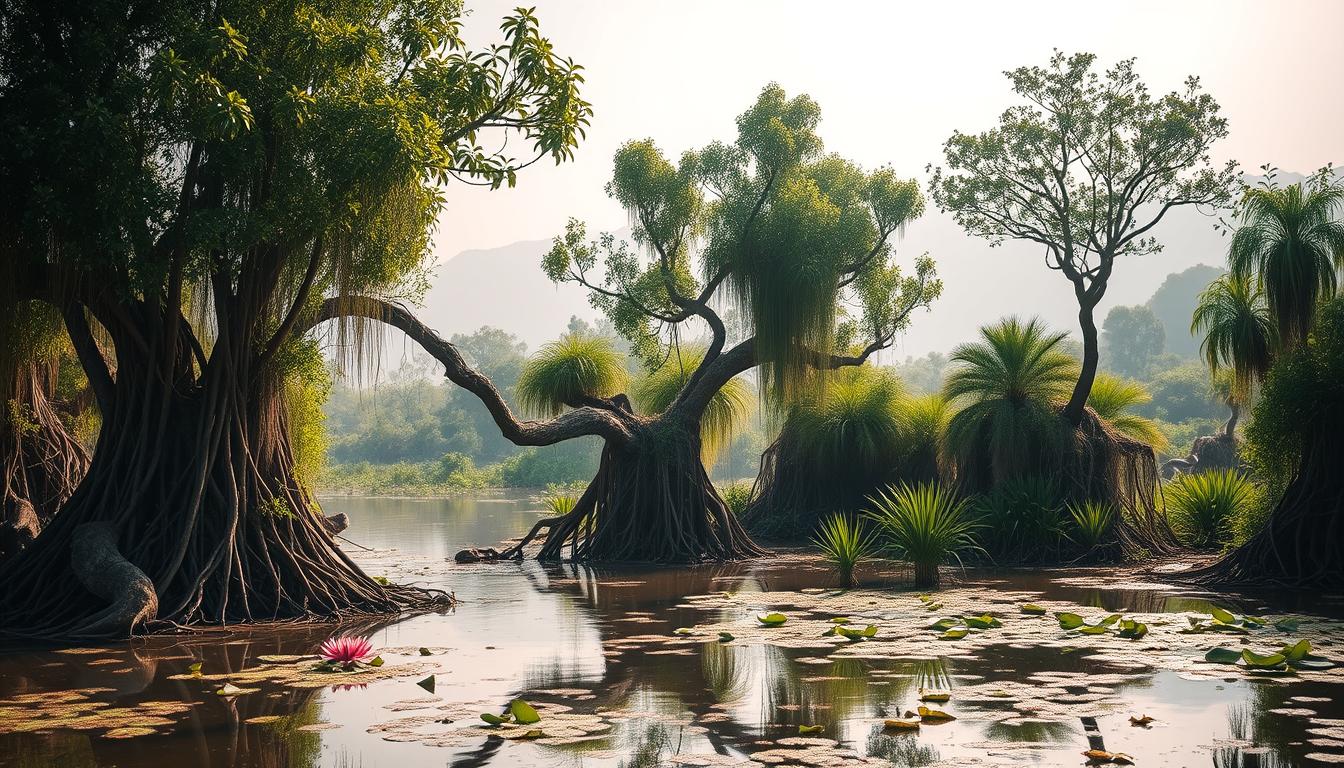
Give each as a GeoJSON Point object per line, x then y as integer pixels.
{"type": "Point", "coordinates": [527, 628]}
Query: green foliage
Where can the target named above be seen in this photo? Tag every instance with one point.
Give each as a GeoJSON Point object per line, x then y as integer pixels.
{"type": "Point", "coordinates": [1114, 399]}
{"type": "Point", "coordinates": [736, 496]}
{"type": "Point", "coordinates": [1006, 389]}
{"type": "Point", "coordinates": [853, 428]}
{"type": "Point", "coordinates": [784, 230]}
{"type": "Point", "coordinates": [307, 384]}
{"type": "Point", "coordinates": [728, 409]}
{"type": "Point", "coordinates": [1133, 338]}
{"type": "Point", "coordinates": [569, 371]}
{"type": "Point", "coordinates": [1009, 182]}
{"type": "Point", "coordinates": [1093, 522]}
{"type": "Point", "coordinates": [844, 541]}
{"type": "Point", "coordinates": [1290, 242]}
{"type": "Point", "coordinates": [1024, 518]}
{"type": "Point", "coordinates": [1239, 331]}
{"type": "Point", "coordinates": [1203, 506]}
{"type": "Point", "coordinates": [573, 461]}
{"type": "Point", "coordinates": [923, 375]}
{"type": "Point", "coordinates": [1302, 401]}
{"type": "Point", "coordinates": [924, 524]}
{"type": "Point", "coordinates": [560, 503]}
{"type": "Point", "coordinates": [1182, 393]}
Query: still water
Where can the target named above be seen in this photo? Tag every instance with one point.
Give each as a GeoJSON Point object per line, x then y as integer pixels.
{"type": "Point", "coordinates": [571, 637]}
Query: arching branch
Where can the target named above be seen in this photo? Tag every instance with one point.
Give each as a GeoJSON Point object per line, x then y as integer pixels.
{"type": "Point", "coordinates": [606, 423]}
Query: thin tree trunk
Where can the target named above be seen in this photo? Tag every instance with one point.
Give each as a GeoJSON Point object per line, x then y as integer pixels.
{"type": "Point", "coordinates": [1073, 412]}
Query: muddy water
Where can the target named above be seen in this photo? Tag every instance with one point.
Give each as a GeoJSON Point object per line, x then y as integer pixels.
{"type": "Point", "coordinates": [561, 635]}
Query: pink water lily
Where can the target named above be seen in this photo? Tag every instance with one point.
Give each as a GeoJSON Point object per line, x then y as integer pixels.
{"type": "Point", "coordinates": [346, 649]}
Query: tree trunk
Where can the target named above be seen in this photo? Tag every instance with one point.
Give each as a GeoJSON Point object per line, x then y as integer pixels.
{"type": "Point", "coordinates": [651, 502]}
{"type": "Point", "coordinates": [1073, 412]}
{"type": "Point", "coordinates": [1303, 543]}
{"type": "Point", "coordinates": [192, 491]}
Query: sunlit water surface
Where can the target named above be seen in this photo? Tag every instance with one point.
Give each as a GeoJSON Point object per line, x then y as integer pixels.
{"type": "Point", "coordinates": [522, 628]}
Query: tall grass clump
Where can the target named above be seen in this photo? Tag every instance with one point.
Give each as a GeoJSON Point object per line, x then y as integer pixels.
{"type": "Point", "coordinates": [1025, 518]}
{"type": "Point", "coordinates": [1203, 506]}
{"type": "Point", "coordinates": [570, 371]}
{"type": "Point", "coordinates": [1114, 399]}
{"type": "Point", "coordinates": [844, 541]}
{"type": "Point", "coordinates": [924, 524]}
{"type": "Point", "coordinates": [1093, 522]}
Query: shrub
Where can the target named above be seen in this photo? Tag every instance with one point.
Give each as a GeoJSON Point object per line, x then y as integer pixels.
{"type": "Point", "coordinates": [1092, 524]}
{"type": "Point", "coordinates": [844, 541]}
{"type": "Point", "coordinates": [736, 496]}
{"type": "Point", "coordinates": [1203, 506]}
{"type": "Point", "coordinates": [1025, 518]}
{"type": "Point", "coordinates": [924, 524]}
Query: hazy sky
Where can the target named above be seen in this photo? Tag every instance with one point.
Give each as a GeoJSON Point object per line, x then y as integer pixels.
{"type": "Point", "coordinates": [893, 81]}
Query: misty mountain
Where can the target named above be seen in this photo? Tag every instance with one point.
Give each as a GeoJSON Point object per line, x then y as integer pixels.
{"type": "Point", "coordinates": [504, 287]}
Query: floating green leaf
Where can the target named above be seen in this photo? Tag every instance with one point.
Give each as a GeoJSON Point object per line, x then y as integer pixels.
{"type": "Point", "coordinates": [1032, 609]}
{"type": "Point", "coordinates": [931, 607]}
{"type": "Point", "coordinates": [811, 729]}
{"type": "Point", "coordinates": [426, 652]}
{"type": "Point", "coordinates": [841, 620]}
{"type": "Point", "coordinates": [1262, 661]}
{"type": "Point", "coordinates": [955, 633]}
{"type": "Point", "coordinates": [1070, 620]}
{"type": "Point", "coordinates": [937, 697]}
{"type": "Point", "coordinates": [1287, 625]}
{"type": "Point", "coordinates": [376, 661]}
{"type": "Point", "coordinates": [195, 669]}
{"type": "Point", "coordinates": [1296, 651]}
{"type": "Point", "coordinates": [1221, 655]}
{"type": "Point", "coordinates": [983, 622]}
{"type": "Point", "coordinates": [856, 634]}
{"type": "Point", "coordinates": [1092, 629]}
{"type": "Point", "coordinates": [523, 712]}
{"type": "Point", "coordinates": [494, 719]}
{"type": "Point", "coordinates": [1133, 630]}
{"type": "Point", "coordinates": [902, 724]}
{"type": "Point", "coordinates": [944, 624]}
{"type": "Point", "coordinates": [934, 715]}
{"type": "Point", "coordinates": [772, 619]}
{"type": "Point", "coordinates": [1109, 620]}
{"type": "Point", "coordinates": [427, 683]}
{"type": "Point", "coordinates": [726, 637]}
{"type": "Point", "coordinates": [1224, 616]}
{"type": "Point", "coordinates": [682, 631]}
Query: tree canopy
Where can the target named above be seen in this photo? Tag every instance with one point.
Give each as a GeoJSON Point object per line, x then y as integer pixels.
{"type": "Point", "coordinates": [1085, 166]}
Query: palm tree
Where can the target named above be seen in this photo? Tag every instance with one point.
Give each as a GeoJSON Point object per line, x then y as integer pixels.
{"type": "Point", "coordinates": [1113, 398]}
{"type": "Point", "coordinates": [1292, 243]}
{"type": "Point", "coordinates": [1012, 383]}
{"type": "Point", "coordinates": [1239, 331]}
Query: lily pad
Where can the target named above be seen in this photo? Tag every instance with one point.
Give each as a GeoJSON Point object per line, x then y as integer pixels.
{"type": "Point", "coordinates": [983, 622]}
{"type": "Point", "coordinates": [1032, 609]}
{"type": "Point", "coordinates": [1262, 661]}
{"type": "Point", "coordinates": [841, 620]}
{"type": "Point", "coordinates": [802, 729]}
{"type": "Point", "coordinates": [523, 712]}
{"type": "Point", "coordinates": [955, 633]}
{"type": "Point", "coordinates": [1224, 616]}
{"type": "Point", "coordinates": [902, 724]}
{"type": "Point", "coordinates": [726, 637]}
{"type": "Point", "coordinates": [494, 719]}
{"type": "Point", "coordinates": [427, 683]}
{"type": "Point", "coordinates": [856, 634]}
{"type": "Point", "coordinates": [772, 619]}
{"type": "Point", "coordinates": [942, 625]}
{"type": "Point", "coordinates": [1070, 620]}
{"type": "Point", "coordinates": [934, 715]}
{"type": "Point", "coordinates": [1296, 651]}
{"type": "Point", "coordinates": [1288, 624]}
{"type": "Point", "coordinates": [1222, 655]}
{"type": "Point", "coordinates": [376, 661]}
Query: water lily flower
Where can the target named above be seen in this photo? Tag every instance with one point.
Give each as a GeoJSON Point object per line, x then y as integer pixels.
{"type": "Point", "coordinates": [346, 649]}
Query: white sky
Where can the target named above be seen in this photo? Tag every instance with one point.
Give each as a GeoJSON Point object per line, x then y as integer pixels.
{"type": "Point", "coordinates": [893, 80]}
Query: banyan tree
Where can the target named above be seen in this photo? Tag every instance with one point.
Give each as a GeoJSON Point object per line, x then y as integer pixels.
{"type": "Point", "coordinates": [185, 183]}
{"type": "Point", "coordinates": [769, 227]}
